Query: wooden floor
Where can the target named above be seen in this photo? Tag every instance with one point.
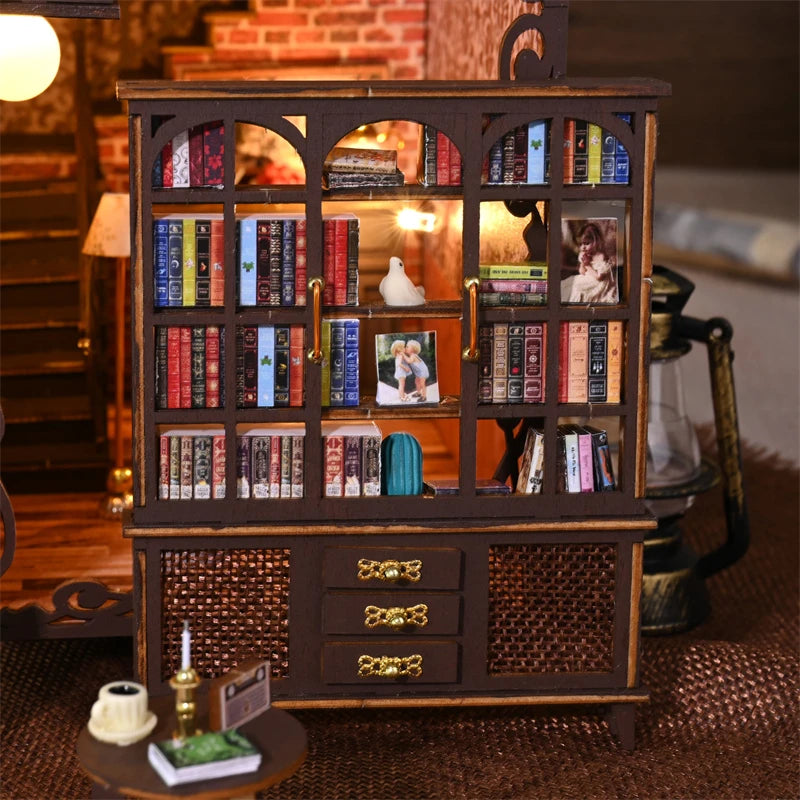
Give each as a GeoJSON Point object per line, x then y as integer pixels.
{"type": "Point", "coordinates": [62, 537]}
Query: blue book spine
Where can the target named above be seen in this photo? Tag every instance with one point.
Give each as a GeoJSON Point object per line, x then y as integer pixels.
{"type": "Point", "coordinates": [288, 262]}
{"type": "Point", "coordinates": [351, 388]}
{"type": "Point", "coordinates": [608, 157]}
{"type": "Point", "coordinates": [536, 136]}
{"type": "Point", "coordinates": [175, 269]}
{"type": "Point", "coordinates": [247, 262]}
{"type": "Point", "coordinates": [337, 362]}
{"type": "Point", "coordinates": [622, 163]}
{"type": "Point", "coordinates": [266, 366]}
{"type": "Point", "coordinates": [158, 173]}
{"type": "Point", "coordinates": [161, 263]}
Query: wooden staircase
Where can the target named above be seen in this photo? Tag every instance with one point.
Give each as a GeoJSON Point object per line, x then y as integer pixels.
{"type": "Point", "coordinates": [51, 393]}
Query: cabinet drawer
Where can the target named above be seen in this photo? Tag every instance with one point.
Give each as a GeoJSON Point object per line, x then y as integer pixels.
{"type": "Point", "coordinates": [385, 567]}
{"type": "Point", "coordinates": [390, 662]}
{"type": "Point", "coordinates": [392, 613]}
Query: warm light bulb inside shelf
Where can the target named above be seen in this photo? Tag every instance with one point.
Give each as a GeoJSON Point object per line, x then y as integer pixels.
{"type": "Point", "coordinates": [411, 220]}
{"type": "Point", "coordinates": [29, 56]}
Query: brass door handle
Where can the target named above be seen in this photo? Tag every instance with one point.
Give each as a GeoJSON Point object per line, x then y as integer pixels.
{"type": "Point", "coordinates": [390, 571]}
{"type": "Point", "coordinates": [316, 285]}
{"type": "Point", "coordinates": [389, 666]}
{"type": "Point", "coordinates": [471, 352]}
{"type": "Point", "coordinates": [396, 617]}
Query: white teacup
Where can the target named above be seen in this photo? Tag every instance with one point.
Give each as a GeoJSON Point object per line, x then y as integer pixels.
{"type": "Point", "coordinates": [120, 713]}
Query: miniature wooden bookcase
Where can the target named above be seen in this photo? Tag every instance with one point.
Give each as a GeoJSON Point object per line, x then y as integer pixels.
{"type": "Point", "coordinates": [445, 599]}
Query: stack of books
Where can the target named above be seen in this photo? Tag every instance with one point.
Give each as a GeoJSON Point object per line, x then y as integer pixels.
{"type": "Point", "coordinates": [513, 284]}
{"type": "Point", "coordinates": [354, 168]}
{"type": "Point", "coordinates": [192, 463]}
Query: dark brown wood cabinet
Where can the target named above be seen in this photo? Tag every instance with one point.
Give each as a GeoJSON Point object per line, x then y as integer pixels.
{"type": "Point", "coordinates": [447, 599]}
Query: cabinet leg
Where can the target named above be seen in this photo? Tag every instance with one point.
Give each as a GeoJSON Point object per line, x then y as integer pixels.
{"type": "Point", "coordinates": [621, 719]}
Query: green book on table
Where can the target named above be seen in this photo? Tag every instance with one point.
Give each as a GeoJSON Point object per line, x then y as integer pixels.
{"type": "Point", "coordinates": [203, 757]}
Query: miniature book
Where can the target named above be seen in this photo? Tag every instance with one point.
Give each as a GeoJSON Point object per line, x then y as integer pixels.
{"type": "Point", "coordinates": [203, 757]}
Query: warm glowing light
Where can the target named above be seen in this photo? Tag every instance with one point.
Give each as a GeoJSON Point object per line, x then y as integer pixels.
{"type": "Point", "coordinates": [380, 138]}
{"type": "Point", "coordinates": [410, 220]}
{"type": "Point", "coordinates": [401, 145]}
{"type": "Point", "coordinates": [29, 56]}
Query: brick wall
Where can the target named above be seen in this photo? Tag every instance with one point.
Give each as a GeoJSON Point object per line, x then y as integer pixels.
{"type": "Point", "coordinates": [391, 33]}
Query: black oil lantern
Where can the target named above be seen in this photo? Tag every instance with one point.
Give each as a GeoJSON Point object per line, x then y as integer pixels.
{"type": "Point", "coordinates": [674, 596]}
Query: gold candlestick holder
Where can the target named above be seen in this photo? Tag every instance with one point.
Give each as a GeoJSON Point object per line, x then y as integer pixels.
{"type": "Point", "coordinates": [184, 683]}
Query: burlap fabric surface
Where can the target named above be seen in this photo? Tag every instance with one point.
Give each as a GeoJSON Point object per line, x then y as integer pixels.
{"type": "Point", "coordinates": [722, 721]}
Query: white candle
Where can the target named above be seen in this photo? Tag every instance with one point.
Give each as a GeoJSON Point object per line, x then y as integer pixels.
{"type": "Point", "coordinates": [186, 646]}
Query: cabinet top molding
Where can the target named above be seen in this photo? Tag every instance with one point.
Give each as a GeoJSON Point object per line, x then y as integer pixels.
{"type": "Point", "coordinates": [574, 87]}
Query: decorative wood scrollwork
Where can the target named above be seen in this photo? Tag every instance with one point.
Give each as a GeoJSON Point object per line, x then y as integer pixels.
{"type": "Point", "coordinates": [550, 23]}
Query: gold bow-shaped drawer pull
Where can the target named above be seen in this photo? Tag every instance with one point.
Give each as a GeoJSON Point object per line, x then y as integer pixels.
{"type": "Point", "coordinates": [396, 617]}
{"type": "Point", "coordinates": [389, 666]}
{"type": "Point", "coordinates": [391, 570]}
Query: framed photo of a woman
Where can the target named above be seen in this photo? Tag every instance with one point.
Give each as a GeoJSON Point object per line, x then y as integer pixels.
{"type": "Point", "coordinates": [592, 253]}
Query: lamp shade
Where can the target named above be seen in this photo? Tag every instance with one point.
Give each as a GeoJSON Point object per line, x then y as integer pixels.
{"type": "Point", "coordinates": [109, 234]}
{"type": "Point", "coordinates": [29, 56]}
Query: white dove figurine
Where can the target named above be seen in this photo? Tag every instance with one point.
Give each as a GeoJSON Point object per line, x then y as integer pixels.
{"type": "Point", "coordinates": [397, 289]}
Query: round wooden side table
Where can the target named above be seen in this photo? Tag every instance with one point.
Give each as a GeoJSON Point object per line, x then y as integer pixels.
{"type": "Point", "coordinates": [121, 772]}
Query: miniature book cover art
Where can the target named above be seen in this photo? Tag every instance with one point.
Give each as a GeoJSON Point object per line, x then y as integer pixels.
{"type": "Point", "coordinates": [407, 373]}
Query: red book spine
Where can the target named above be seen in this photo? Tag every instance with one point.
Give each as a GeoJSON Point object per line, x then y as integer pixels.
{"type": "Point", "coordinates": [173, 367]}
{"type": "Point", "coordinates": [328, 249]}
{"type": "Point", "coordinates": [569, 150]}
{"type": "Point", "coordinates": [212, 366]}
{"type": "Point", "coordinates": [563, 361]}
{"type": "Point", "coordinates": [455, 166]}
{"type": "Point", "coordinates": [296, 362]}
{"type": "Point", "coordinates": [196, 156]}
{"type": "Point", "coordinates": [442, 160]}
{"type": "Point", "coordinates": [218, 467]}
{"type": "Point", "coordinates": [213, 151]}
{"type": "Point", "coordinates": [300, 263]}
{"type": "Point", "coordinates": [166, 165]}
{"type": "Point", "coordinates": [186, 366]}
{"type": "Point", "coordinates": [340, 262]}
{"type": "Point", "coordinates": [217, 282]}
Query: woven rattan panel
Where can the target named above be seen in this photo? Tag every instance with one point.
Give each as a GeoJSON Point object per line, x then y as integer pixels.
{"type": "Point", "coordinates": [551, 608]}
{"type": "Point", "coordinates": [236, 602]}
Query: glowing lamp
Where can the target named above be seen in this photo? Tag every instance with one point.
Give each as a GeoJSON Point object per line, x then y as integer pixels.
{"type": "Point", "coordinates": [410, 220]}
{"type": "Point", "coordinates": [29, 56]}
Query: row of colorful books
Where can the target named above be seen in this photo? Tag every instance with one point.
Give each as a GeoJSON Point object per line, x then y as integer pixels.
{"type": "Point", "coordinates": [188, 260]}
{"type": "Point", "coordinates": [583, 461]}
{"type": "Point", "coordinates": [439, 160]}
{"type": "Point", "coordinates": [192, 158]}
{"type": "Point", "coordinates": [351, 459]}
{"type": "Point", "coordinates": [270, 366]}
{"type": "Point", "coordinates": [189, 361]}
{"type": "Point", "coordinates": [513, 284]}
{"type": "Point", "coordinates": [192, 464]}
{"type": "Point", "coordinates": [590, 359]}
{"type": "Point", "coordinates": [591, 154]}
{"type": "Point", "coordinates": [270, 462]}
{"type": "Point", "coordinates": [271, 259]}
{"type": "Point", "coordinates": [512, 362]}
{"type": "Point", "coordinates": [340, 362]}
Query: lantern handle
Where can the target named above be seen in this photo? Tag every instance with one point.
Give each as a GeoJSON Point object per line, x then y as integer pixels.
{"type": "Point", "coordinates": [716, 333]}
